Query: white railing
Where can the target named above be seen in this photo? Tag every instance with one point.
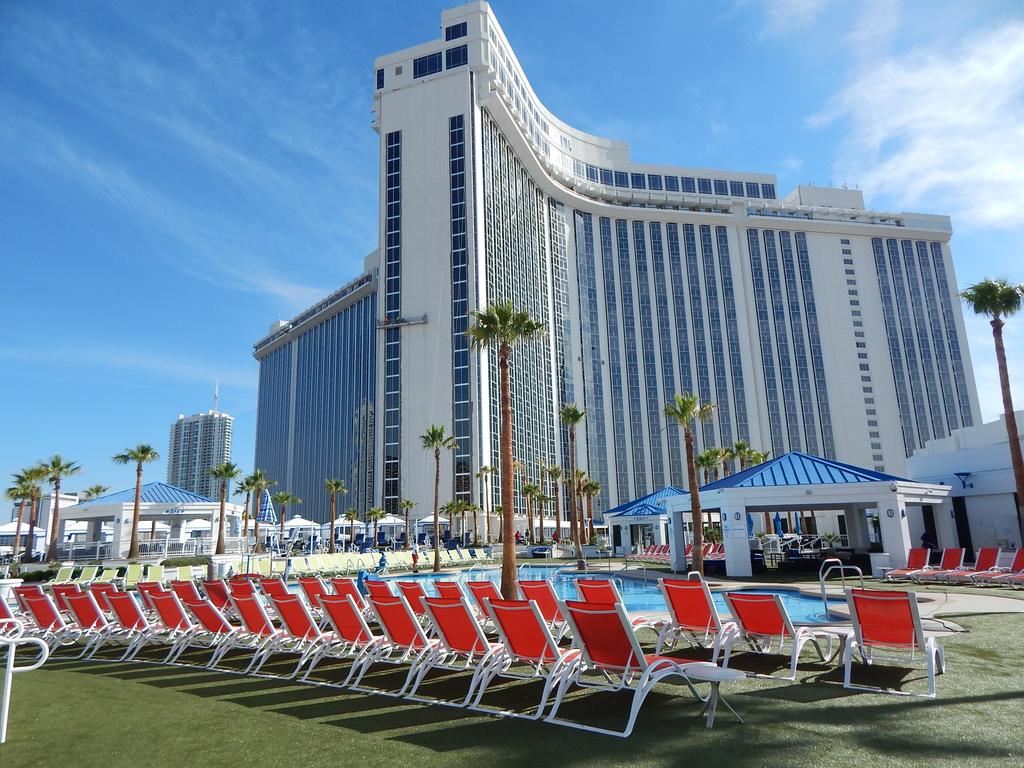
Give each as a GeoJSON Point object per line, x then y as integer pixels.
{"type": "Point", "coordinates": [10, 638]}
{"type": "Point", "coordinates": [150, 548]}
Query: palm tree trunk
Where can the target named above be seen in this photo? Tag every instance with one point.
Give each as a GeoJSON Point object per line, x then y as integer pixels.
{"type": "Point", "coordinates": [437, 511]}
{"type": "Point", "coordinates": [590, 516]}
{"type": "Point", "coordinates": [574, 530]}
{"type": "Point", "coordinates": [352, 533]}
{"type": "Point", "coordinates": [331, 547]}
{"type": "Point", "coordinates": [17, 530]}
{"type": "Point", "coordinates": [256, 547]}
{"type": "Point", "coordinates": [529, 520]}
{"type": "Point", "coordinates": [508, 544]}
{"type": "Point", "coordinates": [406, 529]}
{"type": "Point", "coordinates": [476, 529]}
{"type": "Point", "coordinates": [697, 559]}
{"type": "Point", "coordinates": [558, 509]}
{"type": "Point", "coordinates": [33, 523]}
{"type": "Point", "coordinates": [51, 551]}
{"type": "Point", "coordinates": [133, 546]}
{"type": "Point", "coordinates": [220, 548]}
{"type": "Point", "coordinates": [245, 521]}
{"type": "Point", "coordinates": [280, 532]}
{"type": "Point", "coordinates": [1016, 460]}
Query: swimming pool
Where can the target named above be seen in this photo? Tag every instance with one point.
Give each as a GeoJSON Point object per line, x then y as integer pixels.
{"type": "Point", "coordinates": [639, 595]}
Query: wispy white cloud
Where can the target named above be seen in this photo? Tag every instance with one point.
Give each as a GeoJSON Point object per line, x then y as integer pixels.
{"type": "Point", "coordinates": [940, 127]}
{"type": "Point", "coordinates": [783, 17]}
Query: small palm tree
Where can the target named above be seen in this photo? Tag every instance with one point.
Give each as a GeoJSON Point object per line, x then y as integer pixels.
{"type": "Point", "coordinates": [555, 473]}
{"type": "Point", "coordinates": [591, 488]}
{"type": "Point", "coordinates": [95, 491]}
{"type": "Point", "coordinates": [571, 416]}
{"type": "Point", "coordinates": [56, 470]}
{"type": "Point", "coordinates": [374, 516]}
{"type": "Point", "coordinates": [139, 455]}
{"type": "Point", "coordinates": [530, 491]}
{"type": "Point", "coordinates": [707, 461]}
{"type": "Point", "coordinates": [333, 488]}
{"type": "Point", "coordinates": [999, 299]}
{"type": "Point", "coordinates": [245, 486]}
{"type": "Point", "coordinates": [483, 475]}
{"type": "Point", "coordinates": [436, 439]}
{"type": "Point", "coordinates": [21, 492]}
{"type": "Point", "coordinates": [351, 515]}
{"type": "Point", "coordinates": [474, 508]}
{"type": "Point", "coordinates": [35, 477]}
{"type": "Point", "coordinates": [282, 499]}
{"type": "Point", "coordinates": [225, 472]}
{"type": "Point", "coordinates": [741, 451]}
{"type": "Point", "coordinates": [406, 505]}
{"type": "Point", "coordinates": [581, 479]}
{"type": "Point", "coordinates": [759, 457]}
{"type": "Point", "coordinates": [688, 409]}
{"type": "Point", "coordinates": [260, 483]}
{"type": "Point", "coordinates": [502, 326]}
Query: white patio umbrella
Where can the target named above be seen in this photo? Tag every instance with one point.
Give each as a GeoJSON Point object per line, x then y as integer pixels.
{"type": "Point", "coordinates": [430, 520]}
{"type": "Point", "coordinates": [8, 529]}
{"type": "Point", "coordinates": [299, 522]}
{"type": "Point", "coordinates": [341, 522]}
{"type": "Point", "coordinates": [391, 520]}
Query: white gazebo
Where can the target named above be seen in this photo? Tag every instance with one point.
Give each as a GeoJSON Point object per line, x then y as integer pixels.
{"type": "Point", "coordinates": [799, 482]}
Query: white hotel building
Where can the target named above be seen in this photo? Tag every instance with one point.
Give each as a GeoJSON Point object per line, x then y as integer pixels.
{"type": "Point", "coordinates": [814, 324]}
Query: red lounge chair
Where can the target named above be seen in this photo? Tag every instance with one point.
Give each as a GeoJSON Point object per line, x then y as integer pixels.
{"type": "Point", "coordinates": [414, 594]}
{"type": "Point", "coordinates": [257, 623]}
{"type": "Point", "coordinates": [145, 589]}
{"type": "Point", "coordinates": [224, 635]}
{"type": "Point", "coordinates": [132, 624]}
{"type": "Point", "coordinates": [605, 591]}
{"type": "Point", "coordinates": [1011, 576]}
{"type": "Point", "coordinates": [889, 621]}
{"type": "Point", "coordinates": [60, 593]}
{"type": "Point", "coordinates": [986, 562]}
{"type": "Point", "coordinates": [241, 587]}
{"type": "Point", "coordinates": [186, 591]}
{"type": "Point", "coordinates": [48, 625]}
{"type": "Point", "coordinates": [313, 588]}
{"type": "Point", "coordinates": [608, 646]}
{"type": "Point", "coordinates": [378, 588]}
{"type": "Point", "coordinates": [917, 559]}
{"type": "Point", "coordinates": [89, 620]}
{"type": "Point", "coordinates": [175, 627]}
{"type": "Point", "coordinates": [528, 652]}
{"type": "Point", "coordinates": [543, 594]}
{"type": "Point", "coordinates": [100, 590]}
{"type": "Point", "coordinates": [482, 591]}
{"type": "Point", "coordinates": [24, 591]}
{"type": "Point", "coordinates": [217, 593]}
{"type": "Point", "coordinates": [352, 635]}
{"type": "Point", "coordinates": [693, 616]}
{"type": "Point", "coordinates": [462, 646]}
{"type": "Point", "coordinates": [303, 635]}
{"type": "Point", "coordinates": [274, 588]}
{"type": "Point", "coordinates": [762, 619]}
{"type": "Point", "coordinates": [449, 589]}
{"type": "Point", "coordinates": [952, 561]}
{"type": "Point", "coordinates": [404, 643]}
{"type": "Point", "coordinates": [347, 586]}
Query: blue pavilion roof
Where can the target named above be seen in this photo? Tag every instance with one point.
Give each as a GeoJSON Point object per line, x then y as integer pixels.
{"type": "Point", "coordinates": [796, 468]}
{"type": "Point", "coordinates": [152, 493]}
{"type": "Point", "coordinates": [646, 505]}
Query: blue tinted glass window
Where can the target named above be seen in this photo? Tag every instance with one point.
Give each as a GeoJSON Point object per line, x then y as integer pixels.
{"type": "Point", "coordinates": [606, 176]}
{"type": "Point", "coordinates": [672, 183]}
{"type": "Point", "coordinates": [456, 57]}
{"type": "Point", "coordinates": [621, 179]}
{"type": "Point", "coordinates": [768, 191]}
{"type": "Point", "coordinates": [704, 186]}
{"type": "Point", "coordinates": [426, 65]}
{"type": "Point", "coordinates": [721, 187]}
{"type": "Point", "coordinates": [753, 190]}
{"type": "Point", "coordinates": [592, 172]}
{"type": "Point", "coordinates": [455, 31]}
{"type": "Point", "coordinates": [380, 79]}
{"type": "Point", "coordinates": [689, 185]}
{"type": "Point", "coordinates": [638, 181]}
{"type": "Point", "coordinates": [736, 188]}
{"type": "Point", "coordinates": [653, 181]}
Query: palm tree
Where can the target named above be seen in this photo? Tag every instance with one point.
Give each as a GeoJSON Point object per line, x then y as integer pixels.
{"type": "Point", "coordinates": [34, 476]}
{"type": "Point", "coordinates": [591, 488]}
{"type": "Point", "coordinates": [474, 508]}
{"type": "Point", "coordinates": [707, 460]}
{"type": "Point", "coordinates": [530, 491]}
{"type": "Point", "coordinates": [406, 505]}
{"type": "Point", "coordinates": [686, 409]}
{"type": "Point", "coordinates": [759, 457]}
{"type": "Point", "coordinates": [95, 491]}
{"type": "Point", "coordinates": [56, 470]}
{"type": "Point", "coordinates": [351, 514]}
{"type": "Point", "coordinates": [22, 492]}
{"type": "Point", "coordinates": [555, 473]}
{"type": "Point", "coordinates": [435, 439]}
{"type": "Point", "coordinates": [741, 451]}
{"type": "Point", "coordinates": [374, 516]}
{"type": "Point", "coordinates": [260, 483]}
{"type": "Point", "coordinates": [225, 472]}
{"type": "Point", "coordinates": [282, 499]}
{"type": "Point", "coordinates": [571, 416]}
{"type": "Point", "coordinates": [333, 487]}
{"type": "Point", "coordinates": [245, 486]}
{"type": "Point", "coordinates": [502, 326]}
{"type": "Point", "coordinates": [139, 455]}
{"type": "Point", "coordinates": [581, 478]}
{"type": "Point", "coordinates": [998, 299]}
{"type": "Point", "coordinates": [483, 475]}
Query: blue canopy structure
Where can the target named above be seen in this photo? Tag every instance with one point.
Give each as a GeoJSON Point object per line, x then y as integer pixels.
{"type": "Point", "coordinates": [646, 506]}
{"type": "Point", "coordinates": [151, 493]}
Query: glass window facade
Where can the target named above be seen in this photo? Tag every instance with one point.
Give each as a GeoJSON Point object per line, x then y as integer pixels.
{"type": "Point", "coordinates": [392, 440]}
{"type": "Point", "coordinates": [721, 187]}
{"type": "Point", "coordinates": [672, 183]}
{"type": "Point", "coordinates": [456, 57]}
{"type": "Point", "coordinates": [704, 186]}
{"type": "Point", "coordinates": [461, 416]}
{"type": "Point", "coordinates": [616, 388]}
{"type": "Point", "coordinates": [455, 31]}
{"type": "Point", "coordinates": [655, 403]}
{"type": "Point", "coordinates": [634, 396]}
{"type": "Point", "coordinates": [689, 183]}
{"type": "Point", "coordinates": [426, 65]}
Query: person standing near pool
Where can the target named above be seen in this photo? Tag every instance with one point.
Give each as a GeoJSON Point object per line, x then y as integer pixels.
{"type": "Point", "coordinates": [415, 556]}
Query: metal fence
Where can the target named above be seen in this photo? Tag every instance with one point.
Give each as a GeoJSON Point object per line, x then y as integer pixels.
{"type": "Point", "coordinates": [148, 549]}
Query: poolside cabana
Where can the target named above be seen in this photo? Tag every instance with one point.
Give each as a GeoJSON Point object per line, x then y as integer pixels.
{"type": "Point", "coordinates": [641, 521]}
{"type": "Point", "coordinates": [799, 482]}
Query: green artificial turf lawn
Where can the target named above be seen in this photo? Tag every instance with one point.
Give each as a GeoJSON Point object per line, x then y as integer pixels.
{"type": "Point", "coordinates": [98, 713]}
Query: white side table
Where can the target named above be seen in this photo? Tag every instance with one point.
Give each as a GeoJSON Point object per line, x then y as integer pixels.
{"type": "Point", "coordinates": [706, 672]}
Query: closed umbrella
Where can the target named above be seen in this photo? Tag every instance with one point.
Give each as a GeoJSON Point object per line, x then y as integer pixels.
{"type": "Point", "coordinates": [778, 525]}
{"type": "Point", "coordinates": [750, 526]}
{"type": "Point", "coordinates": [797, 528]}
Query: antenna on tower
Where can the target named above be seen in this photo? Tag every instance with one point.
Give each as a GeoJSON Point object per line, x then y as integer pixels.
{"type": "Point", "coordinates": [216, 396]}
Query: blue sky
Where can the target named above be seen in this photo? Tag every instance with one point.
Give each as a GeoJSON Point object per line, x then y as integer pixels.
{"type": "Point", "coordinates": [174, 176]}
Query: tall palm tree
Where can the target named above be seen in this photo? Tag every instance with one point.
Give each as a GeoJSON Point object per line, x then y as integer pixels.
{"type": "Point", "coordinates": [34, 476]}
{"type": "Point", "coordinates": [282, 499]}
{"type": "Point", "coordinates": [374, 516]}
{"type": "Point", "coordinates": [406, 505]}
{"type": "Point", "coordinates": [245, 486]}
{"type": "Point", "coordinates": [571, 416]}
{"type": "Point", "coordinates": [21, 492]}
{"type": "Point", "coordinates": [139, 455]}
{"type": "Point", "coordinates": [591, 488]}
{"type": "Point", "coordinates": [502, 326]}
{"type": "Point", "coordinates": [580, 476]}
{"type": "Point", "coordinates": [474, 508]}
{"type": "Point", "coordinates": [741, 451]}
{"type": "Point", "coordinates": [688, 409]}
{"type": "Point", "coordinates": [95, 491]}
{"type": "Point", "coordinates": [530, 491]}
{"type": "Point", "coordinates": [555, 473]}
{"type": "Point", "coordinates": [436, 439]}
{"type": "Point", "coordinates": [999, 299]}
{"type": "Point", "coordinates": [260, 483]}
{"type": "Point", "coordinates": [484, 476]}
{"type": "Point", "coordinates": [225, 472]}
{"type": "Point", "coordinates": [351, 515]}
{"type": "Point", "coordinates": [56, 470]}
{"type": "Point", "coordinates": [333, 487]}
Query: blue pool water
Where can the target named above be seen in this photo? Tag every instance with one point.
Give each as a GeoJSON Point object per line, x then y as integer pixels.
{"type": "Point", "coordinates": [642, 596]}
